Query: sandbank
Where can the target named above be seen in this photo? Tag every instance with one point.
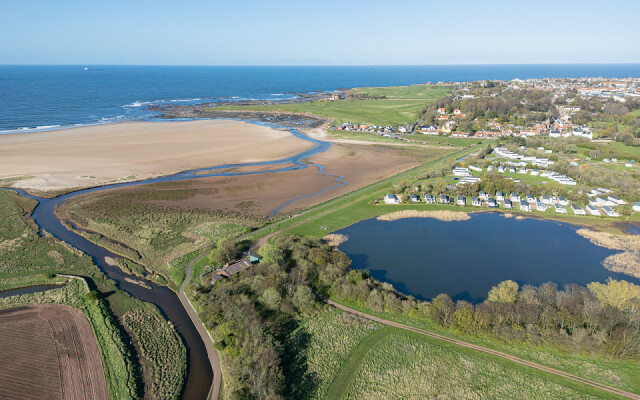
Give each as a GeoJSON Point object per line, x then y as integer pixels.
{"type": "Point", "coordinates": [96, 155]}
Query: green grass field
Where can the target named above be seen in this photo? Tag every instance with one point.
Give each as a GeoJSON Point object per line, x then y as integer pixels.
{"type": "Point", "coordinates": [342, 356]}
{"type": "Point", "coordinates": [623, 374]}
{"type": "Point", "coordinates": [422, 92]}
{"type": "Point", "coordinates": [402, 106]}
{"type": "Point", "coordinates": [405, 365]}
{"type": "Point", "coordinates": [371, 112]}
{"type": "Point", "coordinates": [323, 344]}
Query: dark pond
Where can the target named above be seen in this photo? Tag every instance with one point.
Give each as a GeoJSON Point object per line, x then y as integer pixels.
{"type": "Point", "coordinates": [464, 259]}
{"type": "Point", "coordinates": [27, 290]}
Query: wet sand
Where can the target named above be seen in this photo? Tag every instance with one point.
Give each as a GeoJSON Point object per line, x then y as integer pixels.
{"type": "Point", "coordinates": [95, 155]}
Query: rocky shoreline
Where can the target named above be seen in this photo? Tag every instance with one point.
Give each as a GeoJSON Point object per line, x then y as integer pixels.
{"type": "Point", "coordinates": [208, 110]}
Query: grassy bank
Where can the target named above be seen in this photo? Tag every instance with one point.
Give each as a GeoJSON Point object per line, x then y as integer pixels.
{"type": "Point", "coordinates": [154, 234]}
{"type": "Point", "coordinates": [29, 259]}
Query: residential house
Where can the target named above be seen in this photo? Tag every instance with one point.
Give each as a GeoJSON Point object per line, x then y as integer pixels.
{"type": "Point", "coordinates": [499, 196]}
{"type": "Point", "coordinates": [461, 201]}
{"type": "Point", "coordinates": [460, 171]}
{"type": "Point", "coordinates": [545, 199]}
{"type": "Point", "coordinates": [636, 206]}
{"type": "Point", "coordinates": [563, 201]}
{"type": "Point", "coordinates": [577, 210]}
{"type": "Point", "coordinates": [508, 205]}
{"type": "Point", "coordinates": [616, 200]}
{"type": "Point", "coordinates": [391, 198]}
{"type": "Point", "coordinates": [530, 199]}
{"type": "Point", "coordinates": [429, 199]}
{"type": "Point", "coordinates": [492, 203]}
{"type": "Point", "coordinates": [540, 206]}
{"type": "Point", "coordinates": [483, 195]}
{"type": "Point", "coordinates": [610, 211]}
{"type": "Point", "coordinates": [415, 198]}
{"type": "Point", "coordinates": [593, 210]}
{"type": "Point", "coordinates": [560, 209]}
{"type": "Point", "coordinates": [524, 206]}
{"type": "Point", "coordinates": [444, 199]}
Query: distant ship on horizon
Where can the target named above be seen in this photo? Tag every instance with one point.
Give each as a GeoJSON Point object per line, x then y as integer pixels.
{"type": "Point", "coordinates": [93, 69]}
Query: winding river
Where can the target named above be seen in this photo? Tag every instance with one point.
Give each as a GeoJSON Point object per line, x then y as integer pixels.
{"type": "Point", "coordinates": [199, 373]}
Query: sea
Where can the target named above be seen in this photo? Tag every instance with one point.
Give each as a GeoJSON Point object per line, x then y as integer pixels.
{"type": "Point", "coordinates": [48, 97]}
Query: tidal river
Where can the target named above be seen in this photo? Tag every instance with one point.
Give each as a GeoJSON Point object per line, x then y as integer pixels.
{"type": "Point", "coordinates": [199, 372]}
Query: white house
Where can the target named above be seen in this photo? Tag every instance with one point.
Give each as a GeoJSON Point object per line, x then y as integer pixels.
{"type": "Point", "coordinates": [515, 198]}
{"type": "Point", "coordinates": [604, 202]}
{"type": "Point", "coordinates": [493, 203]}
{"type": "Point", "coordinates": [476, 202]}
{"type": "Point", "coordinates": [531, 199]}
{"type": "Point", "coordinates": [636, 206]}
{"type": "Point", "coordinates": [499, 196]}
{"type": "Point", "coordinates": [501, 169]}
{"type": "Point", "coordinates": [616, 200]}
{"type": "Point", "coordinates": [483, 195]}
{"type": "Point", "coordinates": [444, 199]}
{"type": "Point", "coordinates": [415, 198]}
{"type": "Point", "coordinates": [391, 198]}
{"type": "Point", "coordinates": [474, 168]}
{"type": "Point", "coordinates": [429, 199]}
{"type": "Point", "coordinates": [593, 210]}
{"type": "Point", "coordinates": [524, 206]}
{"type": "Point", "coordinates": [577, 210]}
{"type": "Point", "coordinates": [508, 205]}
{"type": "Point", "coordinates": [560, 209]}
{"type": "Point", "coordinates": [540, 206]}
{"type": "Point", "coordinates": [461, 201]}
{"type": "Point", "coordinates": [545, 199]}
{"type": "Point", "coordinates": [610, 211]}
{"type": "Point", "coordinates": [563, 201]}
{"type": "Point", "coordinates": [461, 171]}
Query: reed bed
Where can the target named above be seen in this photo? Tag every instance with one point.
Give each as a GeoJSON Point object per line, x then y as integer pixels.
{"type": "Point", "coordinates": [442, 215]}
{"type": "Point", "coordinates": [627, 261]}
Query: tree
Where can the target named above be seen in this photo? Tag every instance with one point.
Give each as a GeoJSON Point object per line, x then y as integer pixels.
{"type": "Point", "coordinates": [465, 317]}
{"type": "Point", "coordinates": [271, 254]}
{"type": "Point", "coordinates": [622, 295]}
{"type": "Point", "coordinates": [505, 292]}
{"type": "Point", "coordinates": [271, 298]}
{"type": "Point", "coordinates": [303, 299]}
{"type": "Point", "coordinates": [224, 252]}
{"type": "Point", "coordinates": [441, 310]}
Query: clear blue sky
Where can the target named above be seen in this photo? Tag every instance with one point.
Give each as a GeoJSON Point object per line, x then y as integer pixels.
{"type": "Point", "coordinates": [324, 32]}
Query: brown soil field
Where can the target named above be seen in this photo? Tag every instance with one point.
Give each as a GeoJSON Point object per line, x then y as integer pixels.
{"type": "Point", "coordinates": [259, 194]}
{"type": "Point", "coordinates": [90, 156]}
{"type": "Point", "coordinates": [49, 352]}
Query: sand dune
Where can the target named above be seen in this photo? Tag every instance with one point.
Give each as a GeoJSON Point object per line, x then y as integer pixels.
{"type": "Point", "coordinates": [90, 156]}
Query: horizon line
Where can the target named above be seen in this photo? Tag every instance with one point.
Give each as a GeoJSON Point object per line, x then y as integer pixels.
{"type": "Point", "coordinates": [315, 65]}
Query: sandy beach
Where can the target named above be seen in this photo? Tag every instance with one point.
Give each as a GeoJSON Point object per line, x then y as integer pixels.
{"type": "Point", "coordinates": [95, 155]}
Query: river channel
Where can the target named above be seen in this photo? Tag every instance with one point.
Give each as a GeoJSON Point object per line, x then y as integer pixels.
{"type": "Point", "coordinates": [199, 372]}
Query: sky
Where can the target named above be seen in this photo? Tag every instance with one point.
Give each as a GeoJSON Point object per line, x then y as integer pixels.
{"type": "Point", "coordinates": [325, 32]}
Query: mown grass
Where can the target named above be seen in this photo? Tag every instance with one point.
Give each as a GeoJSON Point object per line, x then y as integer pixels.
{"type": "Point", "coordinates": [423, 92]}
{"type": "Point", "coordinates": [164, 354]}
{"type": "Point", "coordinates": [371, 112]}
{"type": "Point", "coordinates": [321, 345]}
{"type": "Point", "coordinates": [406, 365]}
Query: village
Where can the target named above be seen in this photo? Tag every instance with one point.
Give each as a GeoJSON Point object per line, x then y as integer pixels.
{"type": "Point", "coordinates": [565, 112]}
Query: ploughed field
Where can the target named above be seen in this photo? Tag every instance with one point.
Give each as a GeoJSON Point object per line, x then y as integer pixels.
{"type": "Point", "coordinates": [49, 352]}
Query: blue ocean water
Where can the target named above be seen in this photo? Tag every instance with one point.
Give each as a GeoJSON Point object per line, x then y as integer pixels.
{"type": "Point", "coordinates": [47, 97]}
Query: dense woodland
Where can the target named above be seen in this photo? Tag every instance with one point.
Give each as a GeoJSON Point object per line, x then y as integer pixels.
{"type": "Point", "coordinates": [251, 314]}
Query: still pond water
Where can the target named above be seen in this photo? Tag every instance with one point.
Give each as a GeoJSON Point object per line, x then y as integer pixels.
{"type": "Point", "coordinates": [464, 259]}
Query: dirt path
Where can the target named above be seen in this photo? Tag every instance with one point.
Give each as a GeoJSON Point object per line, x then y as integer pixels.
{"type": "Point", "coordinates": [214, 358]}
{"type": "Point", "coordinates": [496, 353]}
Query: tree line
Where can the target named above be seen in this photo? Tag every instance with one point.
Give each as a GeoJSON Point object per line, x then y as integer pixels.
{"type": "Point", "coordinates": [251, 314]}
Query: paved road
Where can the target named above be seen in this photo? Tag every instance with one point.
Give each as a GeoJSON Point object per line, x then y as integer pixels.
{"type": "Point", "coordinates": [214, 358]}
{"type": "Point", "coordinates": [509, 357]}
